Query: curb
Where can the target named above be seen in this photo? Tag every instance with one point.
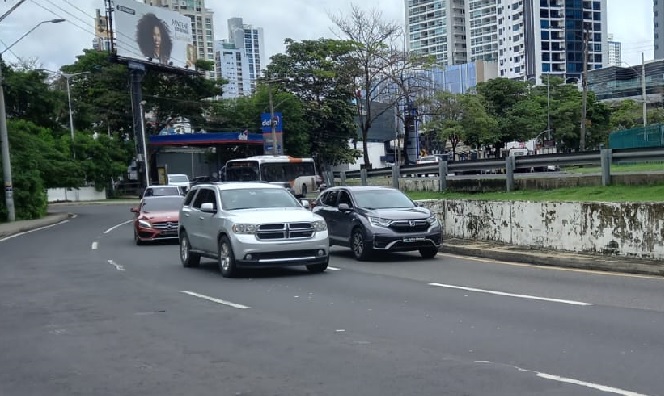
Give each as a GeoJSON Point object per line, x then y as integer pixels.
{"type": "Point", "coordinates": [83, 203]}
{"type": "Point", "coordinates": [562, 259]}
{"type": "Point", "coordinates": [28, 225]}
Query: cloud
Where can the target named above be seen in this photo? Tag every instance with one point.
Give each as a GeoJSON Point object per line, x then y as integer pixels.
{"type": "Point", "coordinates": [56, 45]}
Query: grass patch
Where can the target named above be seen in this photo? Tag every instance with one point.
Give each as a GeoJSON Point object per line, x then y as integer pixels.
{"type": "Point", "coordinates": [618, 168]}
{"type": "Point", "coordinates": [619, 193]}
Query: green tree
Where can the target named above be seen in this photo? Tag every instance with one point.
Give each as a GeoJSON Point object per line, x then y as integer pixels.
{"type": "Point", "coordinates": [37, 164]}
{"type": "Point", "coordinates": [101, 157]}
{"type": "Point", "coordinates": [181, 95]}
{"type": "Point", "coordinates": [625, 114]}
{"type": "Point", "coordinates": [500, 96]}
{"type": "Point", "coordinates": [321, 74]}
{"type": "Point", "coordinates": [101, 99]}
{"type": "Point", "coordinates": [28, 96]}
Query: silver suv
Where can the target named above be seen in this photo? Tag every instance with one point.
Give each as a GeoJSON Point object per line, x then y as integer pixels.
{"type": "Point", "coordinates": [250, 225]}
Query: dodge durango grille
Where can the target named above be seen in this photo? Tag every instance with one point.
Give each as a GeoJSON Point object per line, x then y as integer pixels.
{"type": "Point", "coordinates": [285, 231]}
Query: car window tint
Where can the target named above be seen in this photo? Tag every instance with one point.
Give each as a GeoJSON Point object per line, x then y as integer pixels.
{"type": "Point", "coordinates": [190, 197]}
{"type": "Point", "coordinates": [344, 197]}
{"type": "Point", "coordinates": [205, 195]}
{"type": "Point", "coordinates": [330, 198]}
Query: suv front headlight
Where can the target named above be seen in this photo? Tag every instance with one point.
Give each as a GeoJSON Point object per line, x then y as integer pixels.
{"type": "Point", "coordinates": [433, 219]}
{"type": "Point", "coordinates": [144, 224]}
{"type": "Point", "coordinates": [319, 225]}
{"type": "Point", "coordinates": [244, 228]}
{"type": "Point", "coordinates": [380, 222]}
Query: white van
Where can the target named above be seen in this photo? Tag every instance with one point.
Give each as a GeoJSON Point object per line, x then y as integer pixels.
{"type": "Point", "coordinates": [179, 179]}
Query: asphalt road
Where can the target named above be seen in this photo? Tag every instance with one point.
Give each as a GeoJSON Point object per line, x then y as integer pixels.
{"type": "Point", "coordinates": [83, 311]}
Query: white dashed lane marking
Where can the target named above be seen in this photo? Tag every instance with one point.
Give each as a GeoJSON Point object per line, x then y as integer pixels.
{"type": "Point", "coordinates": [215, 300]}
{"type": "Point", "coordinates": [501, 293]}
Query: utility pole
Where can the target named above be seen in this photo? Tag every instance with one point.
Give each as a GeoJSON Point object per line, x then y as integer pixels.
{"type": "Point", "coordinates": [6, 160]}
{"type": "Point", "coordinates": [273, 123]}
{"type": "Point", "coordinates": [584, 84]}
{"type": "Point", "coordinates": [643, 95]}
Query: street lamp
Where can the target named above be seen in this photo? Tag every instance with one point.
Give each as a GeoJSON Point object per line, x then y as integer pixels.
{"type": "Point", "coordinates": [4, 137]}
{"type": "Point", "coordinates": [644, 97]}
{"type": "Point", "coordinates": [68, 77]}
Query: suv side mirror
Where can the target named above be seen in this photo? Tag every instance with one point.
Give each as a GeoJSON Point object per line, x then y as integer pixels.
{"type": "Point", "coordinates": [344, 207]}
{"type": "Point", "coordinates": [208, 207]}
{"type": "Point", "coordinates": [305, 203]}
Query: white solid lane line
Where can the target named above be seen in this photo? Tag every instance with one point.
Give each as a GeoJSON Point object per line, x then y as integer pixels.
{"type": "Point", "coordinates": [500, 293]}
{"type": "Point", "coordinates": [118, 225]}
{"type": "Point", "coordinates": [95, 245]}
{"type": "Point", "coordinates": [216, 300]}
{"type": "Point", "coordinates": [116, 265]}
{"type": "Point", "coordinates": [602, 388]}
{"type": "Point", "coordinates": [33, 230]}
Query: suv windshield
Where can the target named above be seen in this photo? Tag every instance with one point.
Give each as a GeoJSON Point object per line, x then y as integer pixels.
{"type": "Point", "coordinates": [178, 179]}
{"type": "Point", "coordinates": [382, 199]}
{"type": "Point", "coordinates": [257, 198]}
{"type": "Point", "coordinates": [162, 204]}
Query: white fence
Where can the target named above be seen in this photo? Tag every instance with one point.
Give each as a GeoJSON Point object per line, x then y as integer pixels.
{"type": "Point", "coordinates": [75, 194]}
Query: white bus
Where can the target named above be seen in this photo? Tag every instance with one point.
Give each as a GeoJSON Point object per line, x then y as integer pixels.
{"type": "Point", "coordinates": [298, 174]}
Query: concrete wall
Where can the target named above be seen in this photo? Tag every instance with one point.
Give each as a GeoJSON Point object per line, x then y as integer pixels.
{"type": "Point", "coordinates": [75, 195]}
{"type": "Point", "coordinates": [627, 229]}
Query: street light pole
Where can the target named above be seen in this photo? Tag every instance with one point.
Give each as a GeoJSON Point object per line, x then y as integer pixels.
{"type": "Point", "coordinates": [6, 159]}
{"type": "Point", "coordinates": [272, 123]}
{"type": "Point", "coordinates": [4, 135]}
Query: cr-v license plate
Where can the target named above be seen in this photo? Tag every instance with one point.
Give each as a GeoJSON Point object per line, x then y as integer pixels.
{"type": "Point", "coordinates": [414, 239]}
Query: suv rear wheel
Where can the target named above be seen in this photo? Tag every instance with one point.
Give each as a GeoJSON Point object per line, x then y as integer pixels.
{"type": "Point", "coordinates": [226, 258]}
{"type": "Point", "coordinates": [187, 257]}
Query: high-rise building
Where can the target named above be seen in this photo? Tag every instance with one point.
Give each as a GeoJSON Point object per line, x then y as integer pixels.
{"type": "Point", "coordinates": [528, 38]}
{"type": "Point", "coordinates": [102, 40]}
{"type": "Point", "coordinates": [231, 64]}
{"type": "Point", "coordinates": [658, 12]}
{"type": "Point", "coordinates": [251, 40]}
{"type": "Point", "coordinates": [201, 22]}
{"type": "Point", "coordinates": [615, 57]}
{"type": "Point", "coordinates": [550, 37]}
{"type": "Point", "coordinates": [437, 28]}
{"type": "Point", "coordinates": [481, 30]}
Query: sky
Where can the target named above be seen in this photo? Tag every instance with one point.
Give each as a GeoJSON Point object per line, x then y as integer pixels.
{"type": "Point", "coordinates": [54, 45]}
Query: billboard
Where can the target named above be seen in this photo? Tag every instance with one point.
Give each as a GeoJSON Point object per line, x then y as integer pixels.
{"type": "Point", "coordinates": [266, 127]}
{"type": "Point", "coordinates": [153, 34]}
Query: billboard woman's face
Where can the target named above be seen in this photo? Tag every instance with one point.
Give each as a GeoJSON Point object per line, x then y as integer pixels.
{"type": "Point", "coordinates": [156, 36]}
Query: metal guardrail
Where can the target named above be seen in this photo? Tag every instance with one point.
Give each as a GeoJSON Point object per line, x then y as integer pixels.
{"type": "Point", "coordinates": [508, 165]}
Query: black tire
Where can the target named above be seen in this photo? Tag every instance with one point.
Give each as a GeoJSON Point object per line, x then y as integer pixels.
{"type": "Point", "coordinates": [137, 241]}
{"type": "Point", "coordinates": [358, 244]}
{"type": "Point", "coordinates": [317, 268]}
{"type": "Point", "coordinates": [304, 191]}
{"type": "Point", "coordinates": [428, 252]}
{"type": "Point", "coordinates": [227, 262]}
{"type": "Point", "coordinates": [187, 257]}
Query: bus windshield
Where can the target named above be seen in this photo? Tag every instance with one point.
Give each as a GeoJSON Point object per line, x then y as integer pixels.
{"type": "Point", "coordinates": [242, 171]}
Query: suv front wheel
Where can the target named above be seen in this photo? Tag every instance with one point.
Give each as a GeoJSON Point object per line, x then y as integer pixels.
{"type": "Point", "coordinates": [226, 258]}
{"type": "Point", "coordinates": [358, 244]}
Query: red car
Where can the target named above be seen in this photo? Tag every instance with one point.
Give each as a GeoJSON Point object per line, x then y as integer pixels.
{"type": "Point", "coordinates": [157, 218]}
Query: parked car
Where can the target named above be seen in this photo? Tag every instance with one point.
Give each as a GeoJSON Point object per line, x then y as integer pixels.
{"type": "Point", "coordinates": [161, 191]}
{"type": "Point", "coordinates": [368, 219]}
{"type": "Point", "coordinates": [250, 224]}
{"type": "Point", "coordinates": [178, 179]}
{"type": "Point", "coordinates": [157, 218]}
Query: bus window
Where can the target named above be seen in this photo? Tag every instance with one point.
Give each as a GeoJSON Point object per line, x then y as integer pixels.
{"type": "Point", "coordinates": [242, 171]}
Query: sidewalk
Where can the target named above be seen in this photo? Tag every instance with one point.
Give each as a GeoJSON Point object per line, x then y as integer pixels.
{"type": "Point", "coordinates": [8, 229]}
{"type": "Point", "coordinates": [556, 258]}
